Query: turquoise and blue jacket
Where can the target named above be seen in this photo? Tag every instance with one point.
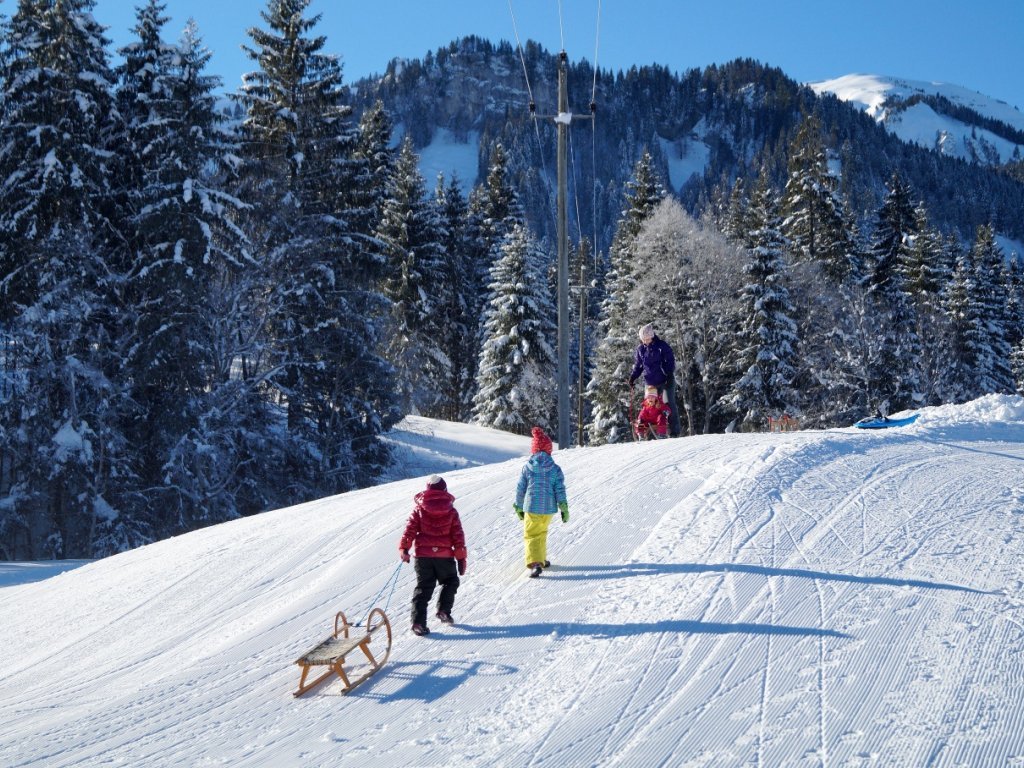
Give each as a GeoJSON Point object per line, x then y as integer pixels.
{"type": "Point", "coordinates": [541, 485]}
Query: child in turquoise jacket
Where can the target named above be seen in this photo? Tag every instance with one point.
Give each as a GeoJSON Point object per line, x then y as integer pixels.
{"type": "Point", "coordinates": [539, 494]}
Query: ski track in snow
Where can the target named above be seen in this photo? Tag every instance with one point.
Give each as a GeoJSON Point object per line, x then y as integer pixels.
{"type": "Point", "coordinates": [820, 598]}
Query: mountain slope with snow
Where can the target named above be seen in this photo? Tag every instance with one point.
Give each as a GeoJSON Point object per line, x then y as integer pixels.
{"type": "Point", "coordinates": [838, 597]}
{"type": "Point", "coordinates": [920, 123]}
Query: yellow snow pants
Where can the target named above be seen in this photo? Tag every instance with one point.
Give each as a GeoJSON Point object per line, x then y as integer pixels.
{"type": "Point", "coordinates": [535, 534]}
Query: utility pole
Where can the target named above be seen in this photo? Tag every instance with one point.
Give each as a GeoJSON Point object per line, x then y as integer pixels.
{"type": "Point", "coordinates": [563, 120]}
{"type": "Point", "coordinates": [582, 343]}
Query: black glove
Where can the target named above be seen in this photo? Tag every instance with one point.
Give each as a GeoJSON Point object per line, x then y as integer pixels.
{"type": "Point", "coordinates": [462, 566]}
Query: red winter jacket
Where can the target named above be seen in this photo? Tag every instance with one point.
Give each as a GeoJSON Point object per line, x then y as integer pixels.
{"type": "Point", "coordinates": [434, 527]}
{"type": "Point", "coordinates": [654, 413]}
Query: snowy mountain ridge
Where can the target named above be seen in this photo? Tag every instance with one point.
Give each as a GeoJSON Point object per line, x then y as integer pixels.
{"type": "Point", "coordinates": [839, 597]}
{"type": "Point", "coordinates": [703, 128]}
{"type": "Point", "coordinates": [885, 99]}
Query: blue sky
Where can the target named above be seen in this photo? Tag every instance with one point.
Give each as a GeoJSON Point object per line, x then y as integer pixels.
{"type": "Point", "coordinates": [975, 44]}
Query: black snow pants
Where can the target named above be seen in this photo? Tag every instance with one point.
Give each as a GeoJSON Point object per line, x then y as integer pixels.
{"type": "Point", "coordinates": [431, 571]}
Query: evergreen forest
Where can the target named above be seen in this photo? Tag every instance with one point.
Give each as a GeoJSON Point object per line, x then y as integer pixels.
{"type": "Point", "coordinates": [212, 306]}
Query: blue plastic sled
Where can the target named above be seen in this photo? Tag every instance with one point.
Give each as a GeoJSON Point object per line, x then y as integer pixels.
{"type": "Point", "coordinates": [880, 422]}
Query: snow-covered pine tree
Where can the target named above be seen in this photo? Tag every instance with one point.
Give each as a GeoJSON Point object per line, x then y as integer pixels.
{"type": "Point", "coordinates": [494, 211]}
{"type": "Point", "coordinates": [736, 222]}
{"type": "Point", "coordinates": [897, 378]}
{"type": "Point", "coordinates": [374, 149]}
{"type": "Point", "coordinates": [191, 294]}
{"type": "Point", "coordinates": [167, 269]}
{"type": "Point", "coordinates": [895, 229]}
{"type": "Point", "coordinates": [613, 359]}
{"type": "Point", "coordinates": [59, 124]}
{"type": "Point", "coordinates": [144, 98]}
{"type": "Point", "coordinates": [67, 471]}
{"type": "Point", "coordinates": [1017, 367]}
{"type": "Point", "coordinates": [459, 333]}
{"type": "Point", "coordinates": [814, 221]}
{"type": "Point", "coordinates": [963, 319]}
{"type": "Point", "coordinates": [164, 278]}
{"type": "Point", "coordinates": [992, 358]}
{"type": "Point", "coordinates": [69, 484]}
{"type": "Point", "coordinates": [925, 267]}
{"type": "Point", "coordinates": [925, 273]}
{"type": "Point", "coordinates": [302, 177]}
{"type": "Point", "coordinates": [1015, 304]}
{"type": "Point", "coordinates": [516, 380]}
{"type": "Point", "coordinates": [416, 284]}
{"type": "Point", "coordinates": [1015, 314]}
{"type": "Point", "coordinates": [768, 340]}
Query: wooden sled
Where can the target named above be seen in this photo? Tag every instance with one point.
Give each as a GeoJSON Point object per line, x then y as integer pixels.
{"type": "Point", "coordinates": [332, 651]}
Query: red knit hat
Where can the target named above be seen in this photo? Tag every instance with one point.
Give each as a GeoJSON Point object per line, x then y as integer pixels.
{"type": "Point", "coordinates": [541, 442]}
{"type": "Point", "coordinates": [436, 483]}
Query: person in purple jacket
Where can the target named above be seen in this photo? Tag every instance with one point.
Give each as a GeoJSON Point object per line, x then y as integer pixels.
{"type": "Point", "coordinates": [654, 359]}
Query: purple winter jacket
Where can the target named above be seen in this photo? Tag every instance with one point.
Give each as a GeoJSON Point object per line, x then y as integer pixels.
{"type": "Point", "coordinates": [655, 360]}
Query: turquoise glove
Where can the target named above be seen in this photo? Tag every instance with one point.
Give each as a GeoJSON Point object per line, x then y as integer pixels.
{"type": "Point", "coordinates": [564, 508]}
{"type": "Point", "coordinates": [519, 510]}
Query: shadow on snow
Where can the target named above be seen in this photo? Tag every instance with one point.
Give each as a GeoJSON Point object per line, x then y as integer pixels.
{"type": "Point", "coordinates": [631, 629]}
{"type": "Point", "coordinates": [426, 680]}
{"type": "Point", "coordinates": [433, 680]}
{"type": "Point", "coordinates": [590, 572]}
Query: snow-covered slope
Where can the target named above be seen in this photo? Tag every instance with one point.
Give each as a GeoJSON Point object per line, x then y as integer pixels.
{"type": "Point", "coordinates": [686, 158]}
{"type": "Point", "coordinates": [447, 155]}
{"type": "Point", "coordinates": [421, 446]}
{"type": "Point", "coordinates": [920, 124]}
{"type": "Point", "coordinates": [825, 598]}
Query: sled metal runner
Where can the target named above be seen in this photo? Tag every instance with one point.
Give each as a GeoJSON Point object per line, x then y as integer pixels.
{"type": "Point", "coordinates": [333, 651]}
{"type": "Point", "coordinates": [647, 434]}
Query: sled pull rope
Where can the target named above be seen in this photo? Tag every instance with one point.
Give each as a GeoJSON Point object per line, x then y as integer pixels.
{"type": "Point", "coordinates": [393, 582]}
{"type": "Point", "coordinates": [533, 105]}
{"type": "Point", "coordinates": [561, 25]}
{"type": "Point", "coordinates": [597, 47]}
{"type": "Point", "coordinates": [522, 58]}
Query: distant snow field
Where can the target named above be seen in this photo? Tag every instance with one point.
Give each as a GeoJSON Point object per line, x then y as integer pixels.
{"type": "Point", "coordinates": [922, 125]}
{"type": "Point", "coordinates": [818, 598]}
{"type": "Point", "coordinates": [449, 156]}
{"type": "Point", "coordinates": [686, 159]}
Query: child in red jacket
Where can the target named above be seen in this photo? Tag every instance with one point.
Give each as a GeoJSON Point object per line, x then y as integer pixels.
{"type": "Point", "coordinates": [653, 418]}
{"type": "Point", "coordinates": [434, 529]}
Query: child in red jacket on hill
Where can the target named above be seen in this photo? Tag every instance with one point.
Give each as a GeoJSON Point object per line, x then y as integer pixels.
{"type": "Point", "coordinates": [653, 419]}
{"type": "Point", "coordinates": [435, 531]}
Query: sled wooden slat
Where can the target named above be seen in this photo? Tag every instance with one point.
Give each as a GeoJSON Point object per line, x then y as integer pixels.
{"type": "Point", "coordinates": [333, 651]}
{"type": "Point", "coordinates": [330, 650]}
